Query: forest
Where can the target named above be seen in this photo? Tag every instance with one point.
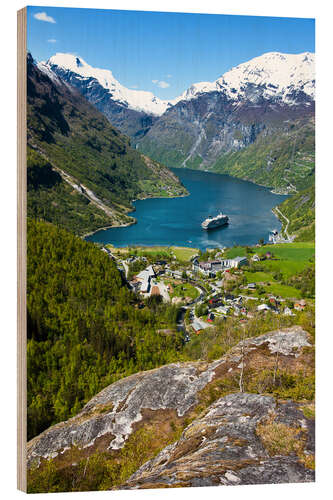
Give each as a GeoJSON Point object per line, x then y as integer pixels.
{"type": "Point", "coordinates": [85, 329]}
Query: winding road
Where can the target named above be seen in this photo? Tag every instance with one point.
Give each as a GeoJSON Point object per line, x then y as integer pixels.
{"type": "Point", "coordinates": [288, 222]}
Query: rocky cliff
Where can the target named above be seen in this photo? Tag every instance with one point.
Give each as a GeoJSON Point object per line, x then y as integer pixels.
{"type": "Point", "coordinates": [206, 430]}
{"type": "Point", "coordinates": [228, 446]}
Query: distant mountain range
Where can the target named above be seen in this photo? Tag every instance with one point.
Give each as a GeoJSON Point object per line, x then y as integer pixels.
{"type": "Point", "coordinates": [266, 105]}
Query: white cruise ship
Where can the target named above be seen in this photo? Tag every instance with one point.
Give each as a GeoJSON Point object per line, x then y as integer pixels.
{"type": "Point", "coordinates": [217, 221]}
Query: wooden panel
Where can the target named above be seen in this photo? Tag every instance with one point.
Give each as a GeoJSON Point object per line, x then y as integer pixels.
{"type": "Point", "coordinates": [21, 247]}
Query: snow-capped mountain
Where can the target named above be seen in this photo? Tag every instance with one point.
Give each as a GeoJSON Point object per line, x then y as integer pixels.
{"type": "Point", "coordinates": [254, 101]}
{"type": "Point", "coordinates": [284, 79]}
{"type": "Point", "coordinates": [267, 100]}
{"type": "Point", "coordinates": [138, 100]}
{"type": "Point", "coordinates": [273, 75]}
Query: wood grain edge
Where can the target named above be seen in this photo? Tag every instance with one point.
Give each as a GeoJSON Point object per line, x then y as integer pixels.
{"type": "Point", "coordinates": [21, 248]}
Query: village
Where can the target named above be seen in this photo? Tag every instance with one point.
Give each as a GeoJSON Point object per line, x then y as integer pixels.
{"type": "Point", "coordinates": [210, 287]}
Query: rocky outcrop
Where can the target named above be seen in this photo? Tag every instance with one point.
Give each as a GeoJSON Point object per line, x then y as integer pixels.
{"type": "Point", "coordinates": [176, 391]}
{"type": "Point", "coordinates": [225, 447]}
{"type": "Point", "coordinates": [116, 409]}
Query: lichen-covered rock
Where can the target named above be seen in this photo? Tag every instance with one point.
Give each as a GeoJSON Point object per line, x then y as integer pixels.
{"type": "Point", "coordinates": [224, 447]}
{"type": "Point", "coordinates": [108, 419]}
{"type": "Point", "coordinates": [116, 409]}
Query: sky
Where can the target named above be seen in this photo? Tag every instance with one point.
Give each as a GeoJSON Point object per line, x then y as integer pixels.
{"type": "Point", "coordinates": [163, 53]}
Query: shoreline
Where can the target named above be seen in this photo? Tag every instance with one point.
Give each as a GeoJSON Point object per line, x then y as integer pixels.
{"type": "Point", "coordinates": [105, 228]}
{"type": "Point", "coordinates": [271, 189]}
{"type": "Point", "coordinates": [183, 195]}
{"type": "Point", "coordinates": [134, 221]}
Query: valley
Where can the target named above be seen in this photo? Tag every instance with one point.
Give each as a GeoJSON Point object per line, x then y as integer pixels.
{"type": "Point", "coordinates": [160, 354]}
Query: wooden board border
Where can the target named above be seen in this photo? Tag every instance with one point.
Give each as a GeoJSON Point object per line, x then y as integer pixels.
{"type": "Point", "coordinates": [21, 248]}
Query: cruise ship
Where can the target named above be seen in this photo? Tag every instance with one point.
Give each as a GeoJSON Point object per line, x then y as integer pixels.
{"type": "Point", "coordinates": [217, 221]}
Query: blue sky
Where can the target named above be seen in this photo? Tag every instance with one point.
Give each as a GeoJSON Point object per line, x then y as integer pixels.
{"type": "Point", "coordinates": [163, 52]}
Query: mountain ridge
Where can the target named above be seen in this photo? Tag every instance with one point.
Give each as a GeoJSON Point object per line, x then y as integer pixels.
{"type": "Point", "coordinates": [70, 136]}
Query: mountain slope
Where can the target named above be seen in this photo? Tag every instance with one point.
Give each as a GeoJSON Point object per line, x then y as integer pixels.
{"type": "Point", "coordinates": [300, 211]}
{"type": "Point", "coordinates": [132, 111]}
{"type": "Point", "coordinates": [85, 329]}
{"type": "Point", "coordinates": [282, 157]}
{"type": "Point", "coordinates": [248, 108]}
{"type": "Point", "coordinates": [90, 156]}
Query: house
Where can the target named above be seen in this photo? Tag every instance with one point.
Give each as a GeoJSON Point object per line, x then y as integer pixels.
{"type": "Point", "coordinates": [177, 274]}
{"type": "Point", "coordinates": [211, 317]}
{"type": "Point", "coordinates": [299, 306]}
{"type": "Point", "coordinates": [263, 307]}
{"type": "Point", "coordinates": [288, 312]}
{"type": "Point", "coordinates": [146, 274]}
{"type": "Point", "coordinates": [210, 267]}
{"type": "Point", "coordinates": [197, 326]}
{"type": "Point", "coordinates": [215, 299]}
{"type": "Point", "coordinates": [238, 262]}
{"type": "Point", "coordinates": [223, 309]}
{"type": "Point", "coordinates": [251, 286]}
{"type": "Point", "coordinates": [144, 286]}
{"type": "Point", "coordinates": [268, 255]}
{"type": "Point", "coordinates": [144, 278]}
{"type": "Point", "coordinates": [238, 300]}
{"type": "Point", "coordinates": [255, 258]}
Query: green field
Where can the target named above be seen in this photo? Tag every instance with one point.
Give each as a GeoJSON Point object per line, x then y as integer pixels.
{"type": "Point", "coordinates": [258, 277]}
{"type": "Point", "coordinates": [291, 258]}
{"type": "Point", "coordinates": [184, 290]}
{"type": "Point", "coordinates": [184, 253]}
{"type": "Point", "coordinates": [283, 291]}
{"type": "Point", "coordinates": [299, 252]}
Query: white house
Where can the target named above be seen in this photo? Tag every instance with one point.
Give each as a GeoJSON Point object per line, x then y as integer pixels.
{"type": "Point", "coordinates": [145, 277]}
{"type": "Point", "coordinates": [263, 307]}
{"type": "Point", "coordinates": [218, 265]}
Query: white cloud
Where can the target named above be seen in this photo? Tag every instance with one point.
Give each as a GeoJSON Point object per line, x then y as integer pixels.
{"type": "Point", "coordinates": [161, 84]}
{"type": "Point", "coordinates": [52, 40]}
{"type": "Point", "coordinates": [169, 76]}
{"type": "Point", "coordinates": [134, 87]}
{"type": "Point", "coordinates": [42, 16]}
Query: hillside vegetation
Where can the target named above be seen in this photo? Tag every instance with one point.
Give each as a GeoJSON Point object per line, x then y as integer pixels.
{"type": "Point", "coordinates": [85, 330]}
{"type": "Point", "coordinates": [70, 136]}
{"type": "Point", "coordinates": [300, 210]}
{"type": "Point", "coordinates": [283, 159]}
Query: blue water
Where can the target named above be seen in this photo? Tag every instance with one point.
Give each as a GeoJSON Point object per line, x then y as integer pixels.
{"type": "Point", "coordinates": [176, 221]}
